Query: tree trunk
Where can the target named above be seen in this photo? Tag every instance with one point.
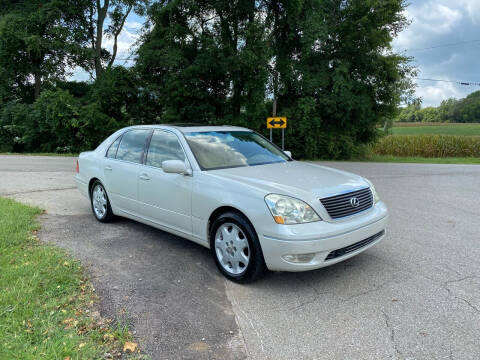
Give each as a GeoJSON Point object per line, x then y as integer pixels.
{"type": "Point", "coordinates": [101, 15]}
{"type": "Point", "coordinates": [38, 84]}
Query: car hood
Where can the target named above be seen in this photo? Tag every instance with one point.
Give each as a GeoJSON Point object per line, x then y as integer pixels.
{"type": "Point", "coordinates": [294, 178]}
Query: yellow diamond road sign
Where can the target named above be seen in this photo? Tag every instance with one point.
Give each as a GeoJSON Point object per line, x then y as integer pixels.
{"type": "Point", "coordinates": [276, 123]}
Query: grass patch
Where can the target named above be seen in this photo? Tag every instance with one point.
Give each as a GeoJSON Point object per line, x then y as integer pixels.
{"type": "Point", "coordinates": [429, 129]}
{"type": "Point", "coordinates": [40, 154]}
{"type": "Point", "coordinates": [422, 160]}
{"type": "Point", "coordinates": [46, 303]}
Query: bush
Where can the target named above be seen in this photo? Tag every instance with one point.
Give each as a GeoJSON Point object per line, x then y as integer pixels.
{"type": "Point", "coordinates": [12, 118]}
{"type": "Point", "coordinates": [58, 121]}
{"type": "Point", "coordinates": [429, 146]}
{"type": "Point", "coordinates": [53, 122]}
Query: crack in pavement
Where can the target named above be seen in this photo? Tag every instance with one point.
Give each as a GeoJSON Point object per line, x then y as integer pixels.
{"type": "Point", "coordinates": [451, 292]}
{"type": "Point", "coordinates": [37, 191]}
{"type": "Point", "coordinates": [392, 333]}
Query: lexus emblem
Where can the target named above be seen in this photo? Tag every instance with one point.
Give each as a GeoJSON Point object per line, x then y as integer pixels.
{"type": "Point", "coordinates": [354, 202]}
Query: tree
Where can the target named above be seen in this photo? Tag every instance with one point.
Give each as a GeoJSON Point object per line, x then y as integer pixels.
{"type": "Point", "coordinates": [116, 11]}
{"type": "Point", "coordinates": [466, 110]}
{"type": "Point", "coordinates": [205, 61]}
{"type": "Point", "coordinates": [338, 76]}
{"type": "Point", "coordinates": [39, 42]}
{"type": "Point", "coordinates": [328, 64]}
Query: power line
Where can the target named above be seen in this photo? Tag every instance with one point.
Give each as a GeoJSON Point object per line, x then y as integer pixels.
{"type": "Point", "coordinates": [465, 83]}
{"type": "Point", "coordinates": [445, 45]}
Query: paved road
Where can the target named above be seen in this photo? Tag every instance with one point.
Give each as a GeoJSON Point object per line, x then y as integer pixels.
{"type": "Point", "coordinates": [416, 295]}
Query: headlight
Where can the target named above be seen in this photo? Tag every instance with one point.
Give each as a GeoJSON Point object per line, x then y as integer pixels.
{"type": "Point", "coordinates": [288, 210]}
{"type": "Point", "coordinates": [376, 198]}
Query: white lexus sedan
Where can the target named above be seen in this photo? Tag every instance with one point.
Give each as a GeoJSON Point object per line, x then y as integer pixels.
{"type": "Point", "coordinates": [234, 192]}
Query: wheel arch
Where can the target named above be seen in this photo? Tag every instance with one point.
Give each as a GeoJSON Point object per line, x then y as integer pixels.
{"type": "Point", "coordinates": [90, 185]}
{"type": "Point", "coordinates": [222, 210]}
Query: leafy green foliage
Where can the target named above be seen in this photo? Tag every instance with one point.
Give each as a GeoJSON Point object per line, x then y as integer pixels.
{"type": "Point", "coordinates": [205, 62]}
{"type": "Point", "coordinates": [52, 123]}
{"type": "Point", "coordinates": [39, 42]}
{"type": "Point", "coordinates": [329, 63]}
{"type": "Point", "coordinates": [326, 65]}
{"type": "Point", "coordinates": [61, 122]}
{"type": "Point", "coordinates": [466, 110]}
{"type": "Point", "coordinates": [12, 126]}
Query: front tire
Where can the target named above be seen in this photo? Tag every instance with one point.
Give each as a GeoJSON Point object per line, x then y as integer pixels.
{"type": "Point", "coordinates": [100, 204]}
{"type": "Point", "coordinates": [235, 248]}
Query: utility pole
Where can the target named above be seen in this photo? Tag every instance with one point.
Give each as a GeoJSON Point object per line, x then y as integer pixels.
{"type": "Point", "coordinates": [275, 89]}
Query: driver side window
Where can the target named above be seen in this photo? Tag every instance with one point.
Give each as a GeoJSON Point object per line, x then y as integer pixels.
{"type": "Point", "coordinates": [164, 146]}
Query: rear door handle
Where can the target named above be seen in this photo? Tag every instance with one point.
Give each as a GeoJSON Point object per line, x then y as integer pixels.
{"type": "Point", "coordinates": [108, 168]}
{"type": "Point", "coordinates": [144, 177]}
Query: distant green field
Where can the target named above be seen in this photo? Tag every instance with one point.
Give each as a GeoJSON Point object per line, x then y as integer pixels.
{"type": "Point", "coordinates": [419, 159]}
{"type": "Point", "coordinates": [447, 129]}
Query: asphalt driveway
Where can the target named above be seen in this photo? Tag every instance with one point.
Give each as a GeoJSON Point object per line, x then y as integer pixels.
{"type": "Point", "coordinates": [415, 295]}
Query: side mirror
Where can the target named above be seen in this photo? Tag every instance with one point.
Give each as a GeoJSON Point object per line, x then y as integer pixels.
{"type": "Point", "coordinates": [175, 167]}
{"type": "Point", "coordinates": [288, 153]}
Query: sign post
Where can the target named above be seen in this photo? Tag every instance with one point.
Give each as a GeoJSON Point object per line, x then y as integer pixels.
{"type": "Point", "coordinates": [277, 123]}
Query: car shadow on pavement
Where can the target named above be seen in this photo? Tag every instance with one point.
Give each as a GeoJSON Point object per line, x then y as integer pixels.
{"type": "Point", "coordinates": [167, 287]}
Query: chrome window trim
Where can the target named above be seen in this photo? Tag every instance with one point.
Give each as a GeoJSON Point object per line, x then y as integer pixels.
{"type": "Point", "coordinates": [178, 139]}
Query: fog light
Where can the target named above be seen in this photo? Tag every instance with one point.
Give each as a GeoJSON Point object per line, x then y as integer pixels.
{"type": "Point", "coordinates": [299, 258]}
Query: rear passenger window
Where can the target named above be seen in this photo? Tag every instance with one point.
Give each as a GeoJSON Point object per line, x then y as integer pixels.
{"type": "Point", "coordinates": [132, 145]}
{"type": "Point", "coordinates": [164, 146]}
{"type": "Point", "coordinates": [112, 150]}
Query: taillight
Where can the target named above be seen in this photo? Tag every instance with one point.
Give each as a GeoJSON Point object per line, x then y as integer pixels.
{"type": "Point", "coordinates": [78, 168]}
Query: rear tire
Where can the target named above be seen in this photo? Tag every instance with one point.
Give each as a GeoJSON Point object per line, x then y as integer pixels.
{"type": "Point", "coordinates": [235, 248]}
{"type": "Point", "coordinates": [100, 203]}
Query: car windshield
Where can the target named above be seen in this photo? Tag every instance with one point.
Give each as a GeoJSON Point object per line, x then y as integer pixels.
{"type": "Point", "coordinates": [225, 149]}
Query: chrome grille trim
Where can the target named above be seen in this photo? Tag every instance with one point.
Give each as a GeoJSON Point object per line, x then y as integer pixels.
{"type": "Point", "coordinates": [339, 206]}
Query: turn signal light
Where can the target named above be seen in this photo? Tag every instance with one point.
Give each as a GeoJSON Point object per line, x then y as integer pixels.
{"type": "Point", "coordinates": [279, 219]}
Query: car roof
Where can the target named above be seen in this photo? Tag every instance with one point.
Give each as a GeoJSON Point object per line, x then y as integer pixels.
{"type": "Point", "coordinates": [185, 128]}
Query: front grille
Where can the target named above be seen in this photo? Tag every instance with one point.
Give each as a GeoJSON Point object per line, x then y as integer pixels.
{"type": "Point", "coordinates": [341, 205]}
{"type": "Point", "coordinates": [358, 245]}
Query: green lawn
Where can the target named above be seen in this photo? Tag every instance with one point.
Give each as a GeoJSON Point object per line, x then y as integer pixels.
{"type": "Point", "coordinates": [46, 303]}
{"type": "Point", "coordinates": [40, 154]}
{"type": "Point", "coordinates": [423, 160]}
{"type": "Point", "coordinates": [448, 129]}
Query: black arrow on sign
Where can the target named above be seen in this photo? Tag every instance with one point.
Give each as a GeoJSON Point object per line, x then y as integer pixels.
{"type": "Point", "coordinates": [276, 122]}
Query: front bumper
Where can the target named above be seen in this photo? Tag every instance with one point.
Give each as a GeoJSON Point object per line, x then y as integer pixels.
{"type": "Point", "coordinates": [336, 235]}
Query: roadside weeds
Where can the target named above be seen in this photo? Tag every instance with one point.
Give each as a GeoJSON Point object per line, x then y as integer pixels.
{"type": "Point", "coordinates": [48, 307]}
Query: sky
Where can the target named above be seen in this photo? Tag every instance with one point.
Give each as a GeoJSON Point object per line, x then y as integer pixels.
{"type": "Point", "coordinates": [443, 38]}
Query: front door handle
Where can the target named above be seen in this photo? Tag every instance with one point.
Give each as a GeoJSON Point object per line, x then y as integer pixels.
{"type": "Point", "coordinates": [108, 168]}
{"type": "Point", "coordinates": [144, 177]}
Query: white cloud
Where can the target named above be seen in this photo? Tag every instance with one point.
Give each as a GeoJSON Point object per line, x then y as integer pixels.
{"type": "Point", "coordinates": [429, 19]}
{"type": "Point", "coordinates": [125, 42]}
{"type": "Point", "coordinates": [433, 95]}
{"type": "Point", "coordinates": [133, 25]}
{"type": "Point", "coordinates": [440, 40]}
{"type": "Point", "coordinates": [472, 8]}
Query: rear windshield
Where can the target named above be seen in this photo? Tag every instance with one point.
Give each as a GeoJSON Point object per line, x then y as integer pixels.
{"type": "Point", "coordinates": [225, 149]}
